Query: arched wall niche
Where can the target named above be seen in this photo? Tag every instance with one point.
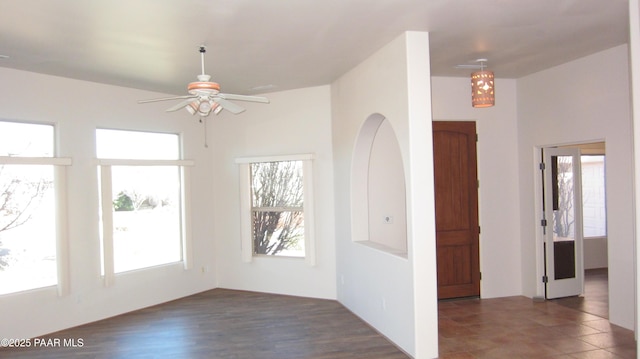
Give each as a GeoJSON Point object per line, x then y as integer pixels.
{"type": "Point", "coordinates": [378, 188]}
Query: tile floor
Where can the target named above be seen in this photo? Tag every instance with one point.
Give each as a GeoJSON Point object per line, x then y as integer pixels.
{"type": "Point", "coordinates": [596, 298]}
{"type": "Point", "coordinates": [517, 327]}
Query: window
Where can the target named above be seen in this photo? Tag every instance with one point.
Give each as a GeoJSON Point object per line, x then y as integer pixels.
{"type": "Point", "coordinates": [28, 207]}
{"type": "Point", "coordinates": [277, 214]}
{"type": "Point", "coordinates": [277, 211]}
{"type": "Point", "coordinates": [593, 196]}
{"type": "Point", "coordinates": [141, 181]}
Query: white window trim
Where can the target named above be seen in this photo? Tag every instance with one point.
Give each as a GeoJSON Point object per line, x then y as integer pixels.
{"type": "Point", "coordinates": [245, 204]}
{"type": "Point", "coordinates": [130, 162]}
{"type": "Point", "coordinates": [60, 184]}
{"type": "Point", "coordinates": [106, 189]}
{"type": "Point", "coordinates": [56, 161]}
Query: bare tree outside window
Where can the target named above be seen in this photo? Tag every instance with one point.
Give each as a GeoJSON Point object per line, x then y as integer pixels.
{"type": "Point", "coordinates": [20, 196]}
{"type": "Point", "coordinates": [28, 220]}
{"type": "Point", "coordinates": [563, 209]}
{"type": "Point", "coordinates": [277, 208]}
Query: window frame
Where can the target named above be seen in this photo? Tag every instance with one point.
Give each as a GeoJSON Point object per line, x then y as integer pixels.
{"type": "Point", "coordinates": [60, 165]}
{"type": "Point", "coordinates": [106, 192]}
{"type": "Point", "coordinates": [246, 206]}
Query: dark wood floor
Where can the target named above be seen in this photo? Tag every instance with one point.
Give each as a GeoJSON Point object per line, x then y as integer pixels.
{"type": "Point", "coordinates": [234, 324]}
{"type": "Point", "coordinates": [225, 324]}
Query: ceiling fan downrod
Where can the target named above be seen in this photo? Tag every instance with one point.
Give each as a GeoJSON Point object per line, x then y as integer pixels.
{"type": "Point", "coordinates": [202, 51]}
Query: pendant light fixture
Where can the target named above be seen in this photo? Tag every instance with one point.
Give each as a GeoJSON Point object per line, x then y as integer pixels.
{"type": "Point", "coordinates": [482, 87]}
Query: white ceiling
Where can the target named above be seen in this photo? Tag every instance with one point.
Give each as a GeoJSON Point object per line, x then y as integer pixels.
{"type": "Point", "coordinates": [258, 46]}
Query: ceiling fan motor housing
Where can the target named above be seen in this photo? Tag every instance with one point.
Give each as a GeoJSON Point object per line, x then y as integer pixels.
{"type": "Point", "coordinates": [201, 87]}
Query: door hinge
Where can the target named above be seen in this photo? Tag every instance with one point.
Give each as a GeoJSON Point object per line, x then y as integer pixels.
{"type": "Point", "coordinates": [479, 230]}
{"type": "Point", "coordinates": [545, 279]}
{"type": "Point", "coordinates": [480, 275]}
{"type": "Point", "coordinates": [543, 222]}
{"type": "Point", "coordinates": [542, 166]}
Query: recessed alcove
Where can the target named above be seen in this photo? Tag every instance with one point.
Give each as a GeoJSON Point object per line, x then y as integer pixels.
{"type": "Point", "coordinates": [378, 200]}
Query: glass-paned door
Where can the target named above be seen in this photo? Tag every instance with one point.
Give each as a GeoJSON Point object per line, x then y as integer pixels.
{"type": "Point", "coordinates": [563, 236]}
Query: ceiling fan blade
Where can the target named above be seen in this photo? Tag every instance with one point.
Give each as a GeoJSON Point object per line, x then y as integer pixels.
{"type": "Point", "coordinates": [230, 96]}
{"type": "Point", "coordinates": [180, 105]}
{"type": "Point", "coordinates": [167, 98]}
{"type": "Point", "coordinates": [229, 106]}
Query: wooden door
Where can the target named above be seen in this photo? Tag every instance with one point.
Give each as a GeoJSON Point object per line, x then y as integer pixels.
{"type": "Point", "coordinates": [456, 196]}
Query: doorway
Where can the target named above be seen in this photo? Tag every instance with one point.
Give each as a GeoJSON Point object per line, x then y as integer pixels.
{"type": "Point", "coordinates": [594, 298]}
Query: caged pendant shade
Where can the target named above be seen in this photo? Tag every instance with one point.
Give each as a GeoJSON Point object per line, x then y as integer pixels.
{"type": "Point", "coordinates": [482, 88]}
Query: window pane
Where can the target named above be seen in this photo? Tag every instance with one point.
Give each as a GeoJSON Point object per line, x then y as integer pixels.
{"type": "Point", "coordinates": [593, 196]}
{"type": "Point", "coordinates": [277, 203]}
{"type": "Point", "coordinates": [146, 216]}
{"type": "Point", "coordinates": [26, 139]}
{"type": "Point", "coordinates": [118, 144]}
{"type": "Point", "coordinates": [563, 220]}
{"type": "Point", "coordinates": [278, 233]}
{"type": "Point", "coordinates": [277, 184]}
{"type": "Point", "coordinates": [27, 228]}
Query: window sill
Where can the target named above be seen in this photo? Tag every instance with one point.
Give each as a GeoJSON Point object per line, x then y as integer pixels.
{"type": "Point", "coordinates": [386, 249]}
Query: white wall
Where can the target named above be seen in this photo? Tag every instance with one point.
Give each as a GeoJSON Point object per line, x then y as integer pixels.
{"type": "Point", "coordinates": [498, 174]}
{"type": "Point", "coordinates": [76, 108]}
{"type": "Point", "coordinates": [395, 295]}
{"type": "Point", "coordinates": [295, 122]}
{"type": "Point", "coordinates": [586, 100]}
{"type": "Point", "coordinates": [596, 253]}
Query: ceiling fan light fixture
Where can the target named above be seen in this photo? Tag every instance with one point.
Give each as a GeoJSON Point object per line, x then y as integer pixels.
{"type": "Point", "coordinates": [192, 108]}
{"type": "Point", "coordinates": [204, 107]}
{"type": "Point", "coordinates": [482, 87]}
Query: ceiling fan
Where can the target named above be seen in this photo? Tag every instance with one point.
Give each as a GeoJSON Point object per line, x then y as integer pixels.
{"type": "Point", "coordinates": [205, 96]}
